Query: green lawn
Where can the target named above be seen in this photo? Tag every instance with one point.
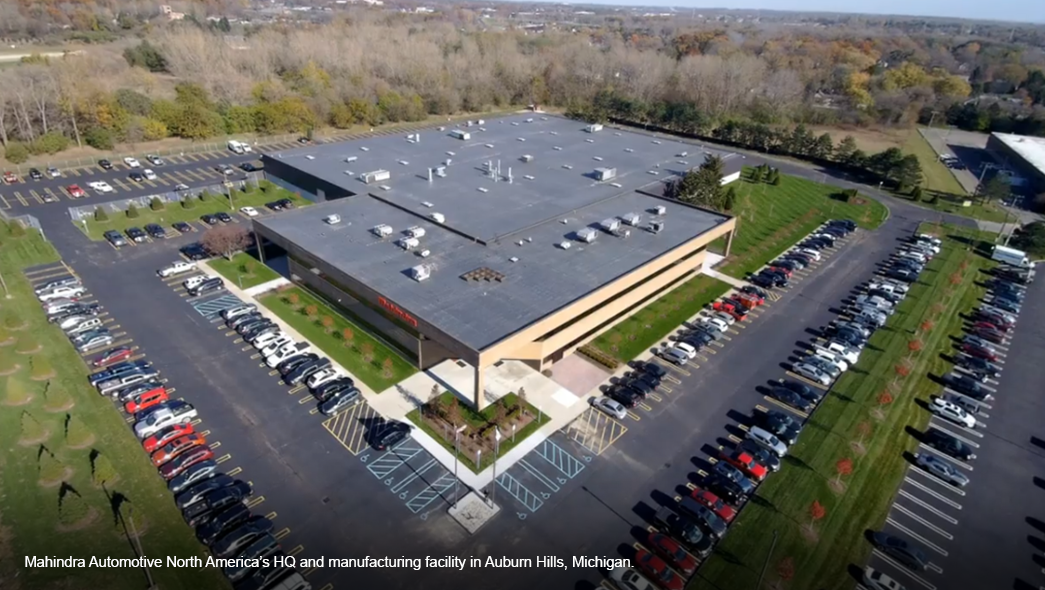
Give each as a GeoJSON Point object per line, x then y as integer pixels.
{"type": "Point", "coordinates": [649, 325]}
{"type": "Point", "coordinates": [477, 420]}
{"type": "Point", "coordinates": [783, 503]}
{"type": "Point", "coordinates": [938, 177]}
{"type": "Point", "coordinates": [244, 270]}
{"type": "Point", "coordinates": [772, 218]}
{"type": "Point", "coordinates": [29, 512]}
{"type": "Point", "coordinates": [332, 340]}
{"type": "Point", "coordinates": [212, 203]}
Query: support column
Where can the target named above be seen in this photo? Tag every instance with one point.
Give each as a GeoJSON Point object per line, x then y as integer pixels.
{"type": "Point", "coordinates": [261, 251]}
{"type": "Point", "coordinates": [729, 241]}
{"type": "Point", "coordinates": [479, 401]}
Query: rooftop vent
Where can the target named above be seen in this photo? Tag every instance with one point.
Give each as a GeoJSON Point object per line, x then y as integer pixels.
{"type": "Point", "coordinates": [483, 189]}
{"type": "Point", "coordinates": [557, 148]}
{"type": "Point", "coordinates": [660, 210]}
{"type": "Point", "coordinates": [513, 259]}
{"type": "Point", "coordinates": [632, 219]}
{"type": "Point", "coordinates": [441, 171]}
{"type": "Point", "coordinates": [589, 140]}
{"type": "Point", "coordinates": [564, 245]}
{"type": "Point", "coordinates": [682, 154]}
{"type": "Point", "coordinates": [527, 158]}
{"type": "Point", "coordinates": [567, 166]}
{"type": "Point", "coordinates": [351, 158]}
{"type": "Point", "coordinates": [459, 134]}
{"type": "Point", "coordinates": [528, 176]}
{"type": "Point", "coordinates": [489, 145]}
{"type": "Point", "coordinates": [530, 120]}
{"type": "Point", "coordinates": [332, 219]}
{"type": "Point", "coordinates": [615, 184]}
{"type": "Point", "coordinates": [602, 174]}
{"type": "Point", "coordinates": [611, 225]}
{"type": "Point", "coordinates": [683, 162]}
{"type": "Point", "coordinates": [375, 176]}
{"type": "Point", "coordinates": [310, 157]}
{"type": "Point", "coordinates": [441, 128]}
{"type": "Point", "coordinates": [656, 142]}
{"type": "Point", "coordinates": [480, 122]}
{"type": "Point", "coordinates": [451, 153]}
{"type": "Point", "coordinates": [618, 133]}
{"type": "Point", "coordinates": [520, 139]}
{"type": "Point", "coordinates": [420, 272]}
{"type": "Point", "coordinates": [381, 231]}
{"type": "Point", "coordinates": [544, 118]}
{"type": "Point", "coordinates": [438, 218]}
{"type": "Point", "coordinates": [482, 129]}
{"type": "Point", "coordinates": [404, 163]}
{"type": "Point", "coordinates": [629, 150]}
{"type": "Point", "coordinates": [520, 243]}
{"type": "Point", "coordinates": [587, 235]}
{"type": "Point", "coordinates": [408, 243]}
{"type": "Point", "coordinates": [653, 172]}
{"type": "Point", "coordinates": [415, 232]}
{"type": "Point", "coordinates": [424, 253]}
{"type": "Point", "coordinates": [350, 173]}
{"type": "Point", "coordinates": [597, 158]}
{"type": "Point", "coordinates": [515, 123]}
{"type": "Point", "coordinates": [483, 274]}
{"type": "Point", "coordinates": [655, 227]}
{"type": "Point", "coordinates": [363, 148]}
{"type": "Point", "coordinates": [593, 128]}
{"type": "Point", "coordinates": [385, 187]}
{"type": "Point", "coordinates": [554, 132]}
{"type": "Point", "coordinates": [564, 221]}
{"type": "Point", "coordinates": [427, 204]}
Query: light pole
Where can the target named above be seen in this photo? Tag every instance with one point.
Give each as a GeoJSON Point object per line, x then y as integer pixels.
{"type": "Point", "coordinates": [496, 451]}
{"type": "Point", "coordinates": [513, 433]}
{"type": "Point", "coordinates": [138, 545]}
{"type": "Point", "coordinates": [766, 564]}
{"type": "Point", "coordinates": [457, 451]}
{"type": "Point", "coordinates": [539, 414]}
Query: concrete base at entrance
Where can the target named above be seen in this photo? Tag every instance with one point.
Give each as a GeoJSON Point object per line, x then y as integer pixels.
{"type": "Point", "coordinates": [473, 511]}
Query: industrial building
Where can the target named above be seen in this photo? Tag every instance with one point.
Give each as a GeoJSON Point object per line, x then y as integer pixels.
{"type": "Point", "coordinates": [517, 238]}
{"type": "Point", "coordinates": [1023, 156]}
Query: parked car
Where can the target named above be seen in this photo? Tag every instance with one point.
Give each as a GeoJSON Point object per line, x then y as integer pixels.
{"type": "Point", "coordinates": [132, 162]}
{"type": "Point", "coordinates": [195, 252]}
{"type": "Point", "coordinates": [978, 366]}
{"type": "Point", "coordinates": [782, 425]}
{"type": "Point", "coordinates": [65, 292]}
{"type": "Point", "coordinates": [176, 268]}
{"type": "Point", "coordinates": [734, 475]}
{"type": "Point", "coordinates": [196, 492]}
{"type": "Point", "coordinates": [941, 468]}
{"type": "Point", "coordinates": [195, 474]}
{"type": "Point", "coordinates": [747, 464]}
{"type": "Point", "coordinates": [10, 178]}
{"type": "Point", "coordinates": [155, 231]}
{"type": "Point", "coordinates": [166, 435]}
{"type": "Point", "coordinates": [223, 217]}
{"type": "Point", "coordinates": [609, 406]}
{"type": "Point", "coordinates": [948, 444]}
{"type": "Point", "coordinates": [136, 176]}
{"type": "Point", "coordinates": [672, 552]}
{"type": "Point", "coordinates": [209, 219]}
{"type": "Point", "coordinates": [75, 191]}
{"type": "Point", "coordinates": [873, 579]}
{"type": "Point", "coordinates": [264, 547]}
{"type": "Point", "coordinates": [341, 401]}
{"type": "Point", "coordinates": [790, 398]}
{"type": "Point", "coordinates": [176, 466]}
{"type": "Point", "coordinates": [760, 453]}
{"type": "Point", "coordinates": [118, 354]}
{"type": "Point", "coordinates": [811, 372]}
{"type": "Point", "coordinates": [168, 413]}
{"type": "Point", "coordinates": [390, 434]}
{"type": "Point", "coordinates": [176, 447]}
{"type": "Point", "coordinates": [967, 386]}
{"type": "Point", "coordinates": [724, 488]}
{"type": "Point", "coordinates": [214, 502]}
{"type": "Point", "coordinates": [222, 522]}
{"type": "Point", "coordinates": [952, 412]}
{"type": "Point", "coordinates": [136, 235]}
{"type": "Point", "coordinates": [206, 287]}
{"type": "Point", "coordinates": [907, 554]}
{"type": "Point", "coordinates": [249, 211]}
{"type": "Point", "coordinates": [69, 281]}
{"type": "Point", "coordinates": [685, 530]}
{"type": "Point", "coordinates": [657, 570]}
{"type": "Point", "coordinates": [242, 537]}
{"type": "Point", "coordinates": [716, 504]}
{"type": "Point", "coordinates": [181, 227]}
{"type": "Point", "coordinates": [767, 440]}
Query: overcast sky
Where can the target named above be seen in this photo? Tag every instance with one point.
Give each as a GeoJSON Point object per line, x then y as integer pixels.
{"type": "Point", "coordinates": [1004, 10]}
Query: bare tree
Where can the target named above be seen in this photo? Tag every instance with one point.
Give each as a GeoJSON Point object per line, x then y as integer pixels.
{"type": "Point", "coordinates": [226, 240]}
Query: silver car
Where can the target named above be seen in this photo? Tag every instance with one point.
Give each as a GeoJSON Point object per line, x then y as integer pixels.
{"type": "Point", "coordinates": [812, 373]}
{"type": "Point", "coordinates": [942, 469]}
{"type": "Point", "coordinates": [610, 407]}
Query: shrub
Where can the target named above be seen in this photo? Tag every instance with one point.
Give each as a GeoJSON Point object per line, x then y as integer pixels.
{"type": "Point", "coordinates": [16, 153]}
{"type": "Point", "coordinates": [99, 138]}
{"type": "Point", "coordinates": [367, 352]}
{"type": "Point", "coordinates": [348, 335]}
{"type": "Point", "coordinates": [16, 230]}
{"type": "Point", "coordinates": [188, 203]}
{"type": "Point", "coordinates": [72, 508]}
{"type": "Point", "coordinates": [327, 322]}
{"type": "Point", "coordinates": [132, 212]}
{"type": "Point", "coordinates": [102, 470]}
{"type": "Point", "coordinates": [56, 398]}
{"type": "Point", "coordinates": [17, 392]}
{"type": "Point", "coordinates": [916, 193]}
{"type": "Point", "coordinates": [7, 364]}
{"type": "Point", "coordinates": [26, 343]}
{"type": "Point", "coordinates": [294, 299]}
{"type": "Point", "coordinates": [52, 470]}
{"type": "Point", "coordinates": [100, 214]}
{"type": "Point", "coordinates": [51, 142]}
{"type": "Point", "coordinates": [386, 368]}
{"type": "Point", "coordinates": [42, 369]}
{"type": "Point", "coordinates": [156, 204]}
{"type": "Point", "coordinates": [76, 433]}
{"type": "Point", "coordinates": [311, 310]}
{"type": "Point", "coordinates": [13, 322]}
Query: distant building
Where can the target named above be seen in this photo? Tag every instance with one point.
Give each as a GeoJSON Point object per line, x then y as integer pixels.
{"type": "Point", "coordinates": [1024, 156]}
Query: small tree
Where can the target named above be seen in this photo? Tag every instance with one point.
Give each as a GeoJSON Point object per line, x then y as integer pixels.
{"type": "Point", "coordinates": [730, 200]}
{"type": "Point", "coordinates": [51, 470]}
{"type": "Point", "coordinates": [311, 310]}
{"type": "Point", "coordinates": [294, 300]}
{"type": "Point", "coordinates": [41, 368]}
{"type": "Point", "coordinates": [885, 398]}
{"type": "Point", "coordinates": [914, 345]}
{"type": "Point", "coordinates": [226, 240]}
{"type": "Point", "coordinates": [102, 470]}
{"type": "Point", "coordinates": [817, 511]}
{"type": "Point", "coordinates": [26, 344]}
{"type": "Point", "coordinates": [32, 430]}
{"type": "Point", "coordinates": [453, 413]}
{"type": "Point", "coordinates": [843, 468]}
{"type": "Point", "coordinates": [776, 178]}
{"type": "Point", "coordinates": [386, 368]}
{"type": "Point", "coordinates": [327, 323]}
{"type": "Point", "coordinates": [926, 326]}
{"type": "Point", "coordinates": [521, 394]}
{"type": "Point", "coordinates": [56, 399]}
{"type": "Point", "coordinates": [100, 214]}
{"type": "Point", "coordinates": [367, 352]}
{"type": "Point", "coordinates": [863, 430]}
{"type": "Point", "coordinates": [17, 393]}
{"type": "Point", "coordinates": [955, 279]}
{"type": "Point", "coordinates": [500, 413]}
{"type": "Point", "coordinates": [348, 336]}
{"type": "Point", "coordinates": [902, 370]}
{"type": "Point", "coordinates": [156, 204]}
{"type": "Point", "coordinates": [785, 570]}
{"type": "Point", "coordinates": [77, 435]}
{"type": "Point", "coordinates": [132, 212]}
{"type": "Point", "coordinates": [188, 203]}
{"type": "Point", "coordinates": [72, 509]}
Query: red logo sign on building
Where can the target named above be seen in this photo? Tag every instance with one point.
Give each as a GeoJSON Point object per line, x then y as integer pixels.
{"type": "Point", "coordinates": [397, 311]}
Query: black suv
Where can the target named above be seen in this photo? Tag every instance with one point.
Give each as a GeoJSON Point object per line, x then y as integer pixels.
{"type": "Point", "coordinates": [783, 426]}
{"type": "Point", "coordinates": [136, 176]}
{"type": "Point", "coordinates": [35, 174]}
{"type": "Point", "coordinates": [136, 234]}
{"type": "Point", "coordinates": [156, 231]}
{"type": "Point", "coordinates": [115, 238]}
{"type": "Point", "coordinates": [949, 445]}
{"type": "Point", "coordinates": [195, 252]}
{"type": "Point", "coordinates": [105, 164]}
{"type": "Point", "coordinates": [209, 219]}
{"type": "Point", "coordinates": [391, 434]}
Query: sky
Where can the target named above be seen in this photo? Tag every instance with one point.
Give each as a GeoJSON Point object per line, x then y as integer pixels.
{"type": "Point", "coordinates": [1001, 10]}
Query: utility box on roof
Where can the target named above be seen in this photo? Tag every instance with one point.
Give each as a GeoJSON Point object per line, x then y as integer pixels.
{"type": "Point", "coordinates": [459, 134]}
{"type": "Point", "coordinates": [381, 231]}
{"type": "Point", "coordinates": [611, 224]}
{"type": "Point", "coordinates": [408, 243]}
{"type": "Point", "coordinates": [587, 235]}
{"type": "Point", "coordinates": [605, 173]}
{"type": "Point", "coordinates": [593, 128]}
{"type": "Point", "coordinates": [416, 232]}
{"type": "Point", "coordinates": [632, 219]}
{"type": "Point", "coordinates": [376, 176]}
{"type": "Point", "coordinates": [420, 272]}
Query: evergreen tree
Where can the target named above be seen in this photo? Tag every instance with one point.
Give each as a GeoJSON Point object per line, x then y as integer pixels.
{"type": "Point", "coordinates": [56, 399]}
{"type": "Point", "coordinates": [822, 147]}
{"type": "Point", "coordinates": [132, 211]}
{"type": "Point", "coordinates": [756, 174]}
{"type": "Point", "coordinates": [32, 430]}
{"type": "Point", "coordinates": [17, 393]}
{"type": "Point", "coordinates": [188, 203]}
{"type": "Point", "coordinates": [156, 204]}
{"type": "Point", "coordinates": [776, 177]}
{"type": "Point", "coordinates": [916, 193]}
{"type": "Point", "coordinates": [100, 214]}
{"type": "Point", "coordinates": [730, 200]}
{"type": "Point", "coordinates": [846, 150]}
{"type": "Point", "coordinates": [102, 470]}
{"type": "Point", "coordinates": [72, 508]}
{"type": "Point", "coordinates": [76, 433]}
{"type": "Point", "coordinates": [52, 470]}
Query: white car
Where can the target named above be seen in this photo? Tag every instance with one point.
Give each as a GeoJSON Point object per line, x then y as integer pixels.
{"type": "Point", "coordinates": [68, 292]}
{"type": "Point", "coordinates": [234, 312]}
{"type": "Point", "coordinates": [848, 353]}
{"type": "Point", "coordinates": [952, 412]}
{"type": "Point", "coordinates": [812, 373]}
{"type": "Point", "coordinates": [895, 288]}
{"type": "Point", "coordinates": [941, 468]}
{"type": "Point", "coordinates": [688, 349]}
{"type": "Point", "coordinates": [71, 322]}
{"type": "Point", "coordinates": [715, 322]}
{"type": "Point", "coordinates": [181, 187]}
{"type": "Point", "coordinates": [154, 160]}
{"type": "Point", "coordinates": [193, 282]}
{"type": "Point", "coordinates": [149, 174]}
{"type": "Point", "coordinates": [274, 345]}
{"type": "Point", "coordinates": [54, 172]}
{"type": "Point", "coordinates": [876, 302]}
{"type": "Point", "coordinates": [100, 186]}
{"type": "Point", "coordinates": [610, 407]}
{"type": "Point", "coordinates": [131, 162]}
{"type": "Point", "coordinates": [322, 376]}
{"type": "Point", "coordinates": [810, 252]}
{"type": "Point", "coordinates": [725, 317]}
{"type": "Point", "coordinates": [287, 351]}
{"type": "Point", "coordinates": [876, 580]}
{"type": "Point", "coordinates": [767, 440]}
{"type": "Point", "coordinates": [176, 268]}
{"type": "Point", "coordinates": [161, 419]}
{"type": "Point", "coordinates": [831, 357]}
{"type": "Point", "coordinates": [249, 211]}
{"type": "Point", "coordinates": [971, 406]}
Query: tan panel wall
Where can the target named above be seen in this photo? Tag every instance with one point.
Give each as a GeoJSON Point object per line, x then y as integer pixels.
{"type": "Point", "coordinates": [505, 348]}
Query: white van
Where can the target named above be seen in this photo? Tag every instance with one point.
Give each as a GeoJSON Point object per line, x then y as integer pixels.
{"type": "Point", "coordinates": [236, 147]}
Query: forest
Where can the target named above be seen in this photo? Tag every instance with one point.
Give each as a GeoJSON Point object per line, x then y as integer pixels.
{"type": "Point", "coordinates": [190, 79]}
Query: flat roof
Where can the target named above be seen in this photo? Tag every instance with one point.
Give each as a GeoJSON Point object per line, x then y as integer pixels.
{"type": "Point", "coordinates": [558, 178]}
{"type": "Point", "coordinates": [1031, 149]}
{"type": "Point", "coordinates": [543, 278]}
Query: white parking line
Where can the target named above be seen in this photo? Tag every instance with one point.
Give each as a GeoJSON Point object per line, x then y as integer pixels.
{"type": "Point", "coordinates": [915, 535]}
{"type": "Point", "coordinates": [949, 458]}
{"type": "Point", "coordinates": [928, 507]}
{"type": "Point", "coordinates": [968, 431]}
{"type": "Point", "coordinates": [936, 495]}
{"type": "Point", "coordinates": [947, 487]}
{"type": "Point", "coordinates": [903, 569]}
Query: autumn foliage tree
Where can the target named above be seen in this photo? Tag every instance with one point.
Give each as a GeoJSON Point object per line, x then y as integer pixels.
{"type": "Point", "coordinates": [914, 345]}
{"type": "Point", "coordinates": [817, 511]}
{"type": "Point", "coordinates": [225, 240]}
{"type": "Point", "coordinates": [785, 570]}
{"type": "Point", "coordinates": [926, 326]}
{"type": "Point", "coordinates": [843, 467]}
{"type": "Point", "coordinates": [347, 335]}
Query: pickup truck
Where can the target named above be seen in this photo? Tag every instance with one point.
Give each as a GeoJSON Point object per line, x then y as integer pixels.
{"type": "Point", "coordinates": [176, 268]}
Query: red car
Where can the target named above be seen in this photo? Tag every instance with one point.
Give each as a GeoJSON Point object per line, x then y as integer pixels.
{"type": "Point", "coordinates": [673, 553]}
{"type": "Point", "coordinates": [786, 271]}
{"type": "Point", "coordinates": [146, 400]}
{"type": "Point", "coordinates": [10, 178]}
{"type": "Point", "coordinates": [990, 335]}
{"type": "Point", "coordinates": [723, 510]}
{"type": "Point", "coordinates": [658, 572]}
{"type": "Point", "coordinates": [746, 463]}
{"type": "Point", "coordinates": [978, 352]}
{"type": "Point", "coordinates": [749, 299]}
{"type": "Point", "coordinates": [990, 326]}
{"type": "Point", "coordinates": [115, 355]}
{"type": "Point", "coordinates": [738, 313]}
{"type": "Point", "coordinates": [177, 465]}
{"type": "Point", "coordinates": [177, 447]}
{"type": "Point", "coordinates": [166, 435]}
{"type": "Point", "coordinates": [75, 191]}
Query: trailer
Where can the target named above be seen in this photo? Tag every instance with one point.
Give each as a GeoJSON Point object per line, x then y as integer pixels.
{"type": "Point", "coordinates": [1010, 256]}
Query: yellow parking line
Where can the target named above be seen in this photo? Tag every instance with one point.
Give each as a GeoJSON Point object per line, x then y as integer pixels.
{"type": "Point", "coordinates": [204, 155]}
{"type": "Point", "coordinates": [281, 533]}
{"type": "Point", "coordinates": [236, 471]}
{"type": "Point", "coordinates": [194, 174]}
{"type": "Point", "coordinates": [296, 550]}
{"type": "Point", "coordinates": [633, 416]}
{"type": "Point", "coordinates": [74, 172]}
{"type": "Point", "coordinates": [209, 173]}
{"type": "Point", "coordinates": [36, 196]}
{"type": "Point", "coordinates": [271, 515]}
{"type": "Point", "coordinates": [170, 175]}
{"type": "Point", "coordinates": [6, 204]}
{"type": "Point", "coordinates": [191, 157]}
{"type": "Point", "coordinates": [804, 380]}
{"type": "Point", "coordinates": [255, 501]}
{"type": "Point", "coordinates": [21, 199]}
{"type": "Point", "coordinates": [120, 184]}
{"type": "Point", "coordinates": [149, 182]}
{"type": "Point", "coordinates": [223, 458]}
{"type": "Point", "coordinates": [161, 180]}
{"type": "Point", "coordinates": [212, 445]}
{"type": "Point", "coordinates": [787, 407]}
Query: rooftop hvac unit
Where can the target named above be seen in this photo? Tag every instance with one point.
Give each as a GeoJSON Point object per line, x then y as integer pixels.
{"type": "Point", "coordinates": [597, 158]}
{"type": "Point", "coordinates": [653, 172]}
{"type": "Point", "coordinates": [530, 120]}
{"type": "Point", "coordinates": [441, 171]}
{"type": "Point", "coordinates": [375, 176]}
{"type": "Point", "coordinates": [381, 231]}
{"type": "Point", "coordinates": [459, 134]}
{"type": "Point", "coordinates": [682, 154]}
{"type": "Point", "coordinates": [424, 253]}
{"type": "Point", "coordinates": [655, 227]}
{"type": "Point", "coordinates": [404, 163]}
{"type": "Point", "coordinates": [632, 219]}
{"type": "Point", "coordinates": [416, 232]}
{"type": "Point", "coordinates": [564, 245]}
{"type": "Point", "coordinates": [605, 173]}
{"type": "Point", "coordinates": [439, 218]}
{"type": "Point", "coordinates": [310, 157]}
{"type": "Point", "coordinates": [629, 150]}
{"type": "Point", "coordinates": [469, 123]}
{"type": "Point", "coordinates": [528, 176]}
{"type": "Point", "coordinates": [656, 142]}
{"type": "Point", "coordinates": [587, 235]}
{"type": "Point", "coordinates": [483, 189]}
{"type": "Point", "coordinates": [408, 243]}
{"type": "Point", "coordinates": [363, 148]}
{"type": "Point", "coordinates": [513, 259]}
{"type": "Point", "coordinates": [489, 145]}
{"type": "Point", "coordinates": [590, 140]}
{"type": "Point", "coordinates": [451, 153]}
{"type": "Point", "coordinates": [441, 128]}
{"type": "Point", "coordinates": [480, 122]}
{"type": "Point", "coordinates": [520, 139]}
{"type": "Point", "coordinates": [515, 123]}
{"type": "Point", "coordinates": [567, 166]}
{"type": "Point", "coordinates": [527, 158]}
{"type": "Point", "coordinates": [332, 219]}
{"type": "Point", "coordinates": [557, 148]}
{"type": "Point", "coordinates": [610, 225]}
{"type": "Point", "coordinates": [660, 210]}
{"type": "Point", "coordinates": [615, 184]}
{"type": "Point", "coordinates": [593, 128]}
{"type": "Point", "coordinates": [427, 204]}
{"type": "Point", "coordinates": [351, 158]}
{"type": "Point", "coordinates": [420, 273]}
